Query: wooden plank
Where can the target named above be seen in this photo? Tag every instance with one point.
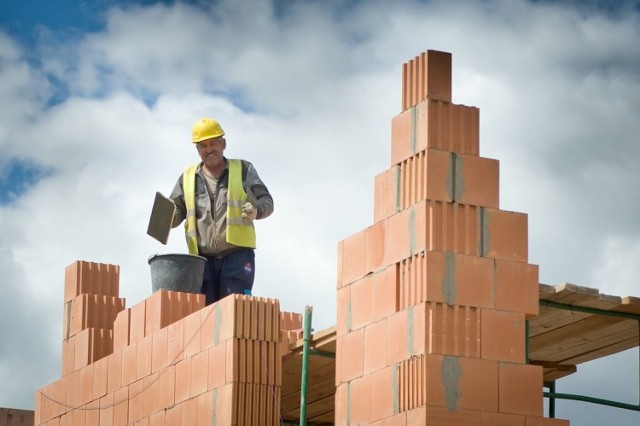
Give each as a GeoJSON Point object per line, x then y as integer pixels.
{"type": "Point", "coordinates": [290, 404]}
{"type": "Point", "coordinates": [554, 370]}
{"type": "Point", "coordinates": [318, 412]}
{"type": "Point", "coordinates": [620, 346]}
{"type": "Point", "coordinates": [556, 374]}
{"type": "Point", "coordinates": [572, 337]}
{"type": "Point", "coordinates": [550, 319]}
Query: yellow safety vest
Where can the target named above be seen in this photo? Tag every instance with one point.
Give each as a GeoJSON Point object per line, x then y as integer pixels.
{"type": "Point", "coordinates": [238, 233]}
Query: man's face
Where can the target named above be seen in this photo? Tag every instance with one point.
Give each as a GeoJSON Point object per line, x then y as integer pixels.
{"type": "Point", "coordinates": [211, 151]}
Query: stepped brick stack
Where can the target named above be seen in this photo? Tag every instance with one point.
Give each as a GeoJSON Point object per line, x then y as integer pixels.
{"type": "Point", "coordinates": [433, 297]}
{"type": "Point", "coordinates": [168, 360]}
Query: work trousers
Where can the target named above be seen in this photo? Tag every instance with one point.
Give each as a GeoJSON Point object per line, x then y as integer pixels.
{"type": "Point", "coordinates": [233, 273]}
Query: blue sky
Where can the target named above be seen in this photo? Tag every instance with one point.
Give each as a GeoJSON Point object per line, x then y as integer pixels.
{"type": "Point", "coordinates": [97, 100]}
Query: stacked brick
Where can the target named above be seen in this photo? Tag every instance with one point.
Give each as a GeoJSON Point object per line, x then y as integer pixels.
{"type": "Point", "coordinates": [13, 417]}
{"type": "Point", "coordinates": [434, 296]}
{"type": "Point", "coordinates": [168, 360]}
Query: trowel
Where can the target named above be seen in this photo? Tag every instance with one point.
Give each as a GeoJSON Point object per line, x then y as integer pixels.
{"type": "Point", "coordinates": [161, 218]}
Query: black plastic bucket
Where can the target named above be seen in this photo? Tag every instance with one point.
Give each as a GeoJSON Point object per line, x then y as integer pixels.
{"type": "Point", "coordinates": [177, 272]}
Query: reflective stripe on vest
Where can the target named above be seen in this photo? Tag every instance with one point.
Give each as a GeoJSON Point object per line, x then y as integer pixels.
{"type": "Point", "coordinates": [238, 233]}
{"type": "Point", "coordinates": [189, 189]}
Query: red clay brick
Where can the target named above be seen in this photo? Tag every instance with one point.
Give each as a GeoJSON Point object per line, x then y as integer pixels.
{"type": "Point", "coordinates": [160, 350]}
{"type": "Point", "coordinates": [474, 280]}
{"type": "Point", "coordinates": [230, 317]}
{"type": "Point", "coordinates": [92, 344]}
{"type": "Point", "coordinates": [183, 380]}
{"type": "Point", "coordinates": [517, 287]}
{"type": "Point", "coordinates": [157, 419]}
{"type": "Point", "coordinates": [398, 238]}
{"type": "Point", "coordinates": [427, 175]}
{"type": "Point", "coordinates": [383, 389]}
{"type": "Point", "coordinates": [66, 419]}
{"type": "Point", "coordinates": [353, 257]}
{"type": "Point", "coordinates": [167, 387]}
{"type": "Point", "coordinates": [361, 302]}
{"type": "Point", "coordinates": [501, 419]}
{"type": "Point", "coordinates": [504, 235]}
{"type": "Point", "coordinates": [136, 401]}
{"type": "Point", "coordinates": [385, 292]}
{"type": "Point", "coordinates": [443, 226]}
{"type": "Point", "coordinates": [450, 278]}
{"type": "Point", "coordinates": [344, 319]}
{"type": "Point", "coordinates": [79, 417]}
{"type": "Point", "coordinates": [503, 335]}
{"type": "Point", "coordinates": [114, 371]}
{"type": "Point", "coordinates": [173, 416]}
{"type": "Point", "coordinates": [129, 364]}
{"type": "Point", "coordinates": [386, 199]}
{"type": "Point", "coordinates": [208, 327]}
{"type": "Point", "coordinates": [457, 383]}
{"type": "Point", "coordinates": [136, 328]}
{"type": "Point", "coordinates": [441, 416]}
{"type": "Point", "coordinates": [417, 416]}
{"type": "Point", "coordinates": [350, 354]}
{"type": "Point", "coordinates": [205, 409]}
{"type": "Point", "coordinates": [90, 311]}
{"type": "Point", "coordinates": [121, 328]}
{"type": "Point", "coordinates": [478, 384]}
{"type": "Point", "coordinates": [428, 75]}
{"type": "Point", "coordinates": [91, 278]}
{"type": "Point", "coordinates": [156, 311]}
{"type": "Point", "coordinates": [413, 280]}
{"type": "Point", "coordinates": [106, 410]}
{"type": "Point", "coordinates": [151, 394]}
{"type": "Point", "coordinates": [445, 126]}
{"type": "Point", "coordinates": [374, 246]}
{"type": "Point", "coordinates": [232, 352]}
{"type": "Point", "coordinates": [433, 124]}
{"type": "Point", "coordinates": [86, 384]}
{"type": "Point", "coordinates": [442, 329]}
{"type": "Point", "coordinates": [394, 420]}
{"type": "Point", "coordinates": [68, 356]}
{"type": "Point", "coordinates": [226, 405]}
{"type": "Point", "coordinates": [476, 181]}
{"type": "Point", "coordinates": [520, 389]}
{"type": "Point", "coordinates": [192, 334]}
{"type": "Point", "coordinates": [399, 331]}
{"type": "Point", "coordinates": [175, 350]}
{"type": "Point", "coordinates": [375, 343]}
{"type": "Point", "coordinates": [190, 412]}
{"type": "Point", "coordinates": [217, 366]}
{"type": "Point", "coordinates": [121, 406]}
{"type": "Point", "coordinates": [403, 139]}
{"type": "Point", "coordinates": [143, 357]}
{"type": "Point", "coordinates": [360, 400]}
{"type": "Point", "coordinates": [100, 378]}
{"type": "Point", "coordinates": [199, 373]}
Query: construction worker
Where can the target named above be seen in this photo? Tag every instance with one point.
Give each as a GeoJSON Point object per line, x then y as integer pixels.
{"type": "Point", "coordinates": [220, 198]}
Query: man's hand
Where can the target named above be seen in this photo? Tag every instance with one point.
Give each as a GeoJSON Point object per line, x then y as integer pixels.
{"type": "Point", "coordinates": [249, 212]}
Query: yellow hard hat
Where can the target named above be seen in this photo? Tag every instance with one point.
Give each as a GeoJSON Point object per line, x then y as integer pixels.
{"type": "Point", "coordinates": [206, 128]}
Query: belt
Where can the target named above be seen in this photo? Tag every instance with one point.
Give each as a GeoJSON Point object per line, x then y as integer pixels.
{"type": "Point", "coordinates": [223, 254]}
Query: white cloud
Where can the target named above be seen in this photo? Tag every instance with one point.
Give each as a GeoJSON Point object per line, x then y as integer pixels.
{"type": "Point", "coordinates": [307, 94]}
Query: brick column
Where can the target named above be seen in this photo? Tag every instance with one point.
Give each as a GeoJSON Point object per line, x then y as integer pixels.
{"type": "Point", "coordinates": [433, 297]}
